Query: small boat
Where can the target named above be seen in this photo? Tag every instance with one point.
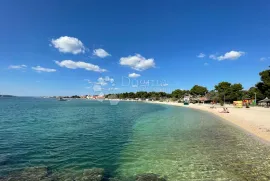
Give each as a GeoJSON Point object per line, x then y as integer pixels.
{"type": "Point", "coordinates": [62, 99]}
{"type": "Point", "coordinates": [186, 103]}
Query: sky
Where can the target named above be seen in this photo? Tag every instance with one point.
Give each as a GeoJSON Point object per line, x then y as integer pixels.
{"type": "Point", "coordinates": [57, 47]}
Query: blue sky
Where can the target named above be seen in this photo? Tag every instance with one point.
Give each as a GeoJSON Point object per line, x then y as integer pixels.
{"type": "Point", "coordinates": [69, 47]}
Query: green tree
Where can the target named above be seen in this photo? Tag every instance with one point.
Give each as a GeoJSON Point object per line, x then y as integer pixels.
{"type": "Point", "coordinates": [198, 90]}
{"type": "Point", "coordinates": [121, 96]}
{"type": "Point", "coordinates": [178, 94]}
{"type": "Point", "coordinates": [131, 95]}
{"type": "Point", "coordinates": [236, 92]}
{"type": "Point", "coordinates": [213, 95]}
{"type": "Point", "coordinates": [265, 77]}
{"type": "Point", "coordinates": [254, 90]}
{"type": "Point", "coordinates": [223, 89]}
{"type": "Point", "coordinates": [141, 94]}
{"type": "Point", "coordinates": [264, 85]}
{"type": "Point", "coordinates": [231, 92]}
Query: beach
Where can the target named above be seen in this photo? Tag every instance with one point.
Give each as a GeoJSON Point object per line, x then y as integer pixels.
{"type": "Point", "coordinates": [254, 120]}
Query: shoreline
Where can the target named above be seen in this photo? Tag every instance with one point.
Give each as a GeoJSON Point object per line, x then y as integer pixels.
{"type": "Point", "coordinates": [255, 120]}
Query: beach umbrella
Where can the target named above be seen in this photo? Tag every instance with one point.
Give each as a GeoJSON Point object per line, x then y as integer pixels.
{"type": "Point", "coordinates": [265, 100]}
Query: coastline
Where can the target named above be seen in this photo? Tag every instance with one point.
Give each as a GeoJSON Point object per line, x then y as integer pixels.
{"type": "Point", "coordinates": [255, 120]}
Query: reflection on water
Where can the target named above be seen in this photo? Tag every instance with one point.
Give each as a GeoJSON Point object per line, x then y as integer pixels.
{"type": "Point", "coordinates": [68, 139]}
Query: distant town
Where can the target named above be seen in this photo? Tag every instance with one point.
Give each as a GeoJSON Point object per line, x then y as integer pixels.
{"type": "Point", "coordinates": [78, 97]}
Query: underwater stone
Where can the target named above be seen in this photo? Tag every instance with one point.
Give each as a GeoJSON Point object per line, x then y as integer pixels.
{"type": "Point", "coordinates": [94, 174]}
{"type": "Point", "coordinates": [149, 177]}
{"type": "Point", "coordinates": [30, 174]}
{"type": "Point", "coordinates": [35, 173]}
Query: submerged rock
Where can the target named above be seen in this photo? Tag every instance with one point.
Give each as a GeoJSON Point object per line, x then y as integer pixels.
{"type": "Point", "coordinates": [35, 173]}
{"type": "Point", "coordinates": [30, 174]}
{"type": "Point", "coordinates": [94, 174]}
{"type": "Point", "coordinates": [149, 177]}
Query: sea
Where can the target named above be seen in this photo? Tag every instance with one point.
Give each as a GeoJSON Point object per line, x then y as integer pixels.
{"type": "Point", "coordinates": [126, 139]}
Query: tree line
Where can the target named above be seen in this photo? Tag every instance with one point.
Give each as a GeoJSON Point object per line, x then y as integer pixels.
{"type": "Point", "coordinates": [222, 91]}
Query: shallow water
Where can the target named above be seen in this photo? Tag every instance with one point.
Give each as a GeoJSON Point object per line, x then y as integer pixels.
{"type": "Point", "coordinates": [185, 144]}
{"type": "Point", "coordinates": [127, 139]}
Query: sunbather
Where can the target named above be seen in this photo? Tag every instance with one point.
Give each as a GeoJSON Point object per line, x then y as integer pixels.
{"type": "Point", "coordinates": [225, 110]}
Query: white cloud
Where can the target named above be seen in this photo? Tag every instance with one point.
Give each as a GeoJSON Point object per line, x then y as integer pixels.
{"type": "Point", "coordinates": [205, 64]}
{"type": "Point", "coordinates": [66, 44]}
{"type": "Point", "coordinates": [83, 65]}
{"type": "Point", "coordinates": [232, 55]}
{"type": "Point", "coordinates": [108, 79]}
{"type": "Point", "coordinates": [201, 55]}
{"type": "Point", "coordinates": [164, 85]}
{"type": "Point", "coordinates": [137, 62]}
{"type": "Point", "coordinates": [89, 81]}
{"type": "Point", "coordinates": [104, 81]}
{"type": "Point", "coordinates": [42, 69]}
{"type": "Point", "coordinates": [213, 57]}
{"type": "Point", "coordinates": [264, 59]}
{"type": "Point", "coordinates": [101, 53]}
{"type": "Point", "coordinates": [97, 88]}
{"type": "Point", "coordinates": [17, 66]}
{"type": "Point", "coordinates": [134, 75]}
{"type": "Point", "coordinates": [113, 88]}
{"type": "Point", "coordinates": [101, 81]}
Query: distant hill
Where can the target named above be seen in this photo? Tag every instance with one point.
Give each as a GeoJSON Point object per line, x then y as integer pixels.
{"type": "Point", "coordinates": [7, 96]}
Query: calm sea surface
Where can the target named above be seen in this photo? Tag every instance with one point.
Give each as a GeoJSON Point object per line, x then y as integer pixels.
{"type": "Point", "coordinates": [127, 139]}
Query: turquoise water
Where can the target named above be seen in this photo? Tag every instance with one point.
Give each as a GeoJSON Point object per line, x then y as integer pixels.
{"type": "Point", "coordinates": [128, 139]}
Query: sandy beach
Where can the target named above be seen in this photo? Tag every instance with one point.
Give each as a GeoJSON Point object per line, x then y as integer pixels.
{"type": "Point", "coordinates": [254, 120]}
